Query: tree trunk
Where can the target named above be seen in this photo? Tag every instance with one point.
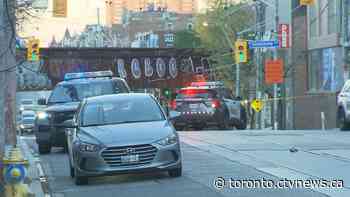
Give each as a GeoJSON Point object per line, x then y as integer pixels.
{"type": "Point", "coordinates": [8, 79]}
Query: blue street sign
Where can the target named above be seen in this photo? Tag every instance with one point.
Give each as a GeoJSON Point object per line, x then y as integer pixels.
{"type": "Point", "coordinates": [253, 44]}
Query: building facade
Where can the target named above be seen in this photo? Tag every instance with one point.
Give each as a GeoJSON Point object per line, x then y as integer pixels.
{"type": "Point", "coordinates": [319, 61]}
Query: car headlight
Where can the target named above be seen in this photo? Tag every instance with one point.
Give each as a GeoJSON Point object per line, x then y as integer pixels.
{"type": "Point", "coordinates": [43, 115]}
{"type": "Point", "coordinates": [171, 139]}
{"type": "Point", "coordinates": [21, 108]}
{"type": "Point", "coordinates": [21, 126]}
{"type": "Point", "coordinates": [86, 147]}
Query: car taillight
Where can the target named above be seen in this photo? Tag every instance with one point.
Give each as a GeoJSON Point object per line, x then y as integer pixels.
{"type": "Point", "coordinates": [215, 103]}
{"type": "Point", "coordinates": [173, 104]}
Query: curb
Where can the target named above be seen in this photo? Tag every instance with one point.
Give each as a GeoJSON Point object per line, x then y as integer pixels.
{"type": "Point", "coordinates": [39, 181]}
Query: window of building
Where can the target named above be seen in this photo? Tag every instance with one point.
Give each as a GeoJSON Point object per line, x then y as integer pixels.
{"type": "Point", "coordinates": [313, 21]}
{"type": "Point", "coordinates": [170, 26]}
{"type": "Point", "coordinates": [314, 70]}
{"type": "Point", "coordinates": [324, 71]}
{"type": "Point", "coordinates": [60, 8]}
{"type": "Point", "coordinates": [332, 16]}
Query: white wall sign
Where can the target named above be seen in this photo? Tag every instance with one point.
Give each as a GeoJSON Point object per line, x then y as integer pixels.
{"type": "Point", "coordinates": [148, 67]}
{"type": "Point", "coordinates": [161, 68]}
{"type": "Point", "coordinates": [135, 68]}
{"type": "Point", "coordinates": [172, 67]}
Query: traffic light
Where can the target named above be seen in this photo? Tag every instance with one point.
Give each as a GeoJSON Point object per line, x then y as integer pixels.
{"type": "Point", "coordinates": [167, 93]}
{"type": "Point", "coordinates": [33, 50]}
{"type": "Point", "coordinates": [307, 2]}
{"type": "Point", "coordinates": [241, 51]}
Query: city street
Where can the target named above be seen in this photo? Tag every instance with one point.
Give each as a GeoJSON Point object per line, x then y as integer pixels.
{"type": "Point", "coordinates": [240, 155]}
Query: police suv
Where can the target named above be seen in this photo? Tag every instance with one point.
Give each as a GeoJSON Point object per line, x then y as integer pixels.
{"type": "Point", "coordinates": [64, 101]}
{"type": "Point", "coordinates": [206, 104]}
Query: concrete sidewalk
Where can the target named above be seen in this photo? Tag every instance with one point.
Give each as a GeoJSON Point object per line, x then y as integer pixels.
{"type": "Point", "coordinates": [35, 174]}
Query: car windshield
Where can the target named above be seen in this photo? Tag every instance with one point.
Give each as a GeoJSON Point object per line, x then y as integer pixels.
{"type": "Point", "coordinates": [121, 110]}
{"type": "Point", "coordinates": [195, 93]}
{"type": "Point", "coordinates": [77, 92]}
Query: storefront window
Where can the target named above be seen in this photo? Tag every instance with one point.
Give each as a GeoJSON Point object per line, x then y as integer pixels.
{"type": "Point", "coordinates": [325, 70]}
{"type": "Point", "coordinates": [314, 70]}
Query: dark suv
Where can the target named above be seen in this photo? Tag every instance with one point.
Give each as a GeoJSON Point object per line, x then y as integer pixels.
{"type": "Point", "coordinates": [64, 100]}
{"type": "Point", "coordinates": [207, 104]}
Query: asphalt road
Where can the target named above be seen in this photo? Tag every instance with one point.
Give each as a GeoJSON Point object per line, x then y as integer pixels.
{"type": "Point", "coordinates": [240, 155]}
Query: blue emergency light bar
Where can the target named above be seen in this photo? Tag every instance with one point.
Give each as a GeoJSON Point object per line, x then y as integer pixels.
{"type": "Point", "coordinates": [208, 84]}
{"type": "Point", "coordinates": [86, 75]}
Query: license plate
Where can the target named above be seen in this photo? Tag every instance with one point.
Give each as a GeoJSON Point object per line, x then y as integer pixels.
{"type": "Point", "coordinates": [194, 106]}
{"type": "Point", "coordinates": [130, 158]}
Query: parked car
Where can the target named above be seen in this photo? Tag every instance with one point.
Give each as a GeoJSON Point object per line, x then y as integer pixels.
{"type": "Point", "coordinates": [27, 121]}
{"type": "Point", "coordinates": [123, 133]}
{"type": "Point", "coordinates": [206, 104]}
{"type": "Point", "coordinates": [64, 100]}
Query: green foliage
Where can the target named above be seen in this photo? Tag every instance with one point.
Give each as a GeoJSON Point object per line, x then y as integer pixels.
{"type": "Point", "coordinates": [217, 30]}
{"type": "Point", "coordinates": [187, 39]}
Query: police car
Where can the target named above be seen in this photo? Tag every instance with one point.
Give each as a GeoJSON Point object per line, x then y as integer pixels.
{"type": "Point", "coordinates": [64, 101]}
{"type": "Point", "coordinates": [205, 104]}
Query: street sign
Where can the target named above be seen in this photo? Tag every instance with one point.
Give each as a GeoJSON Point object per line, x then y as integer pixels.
{"type": "Point", "coordinates": [274, 71]}
{"type": "Point", "coordinates": [253, 44]}
{"type": "Point", "coordinates": [257, 105]}
{"type": "Point", "coordinates": [283, 35]}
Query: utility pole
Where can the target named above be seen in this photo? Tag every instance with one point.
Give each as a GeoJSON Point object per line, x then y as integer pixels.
{"type": "Point", "coordinates": [7, 77]}
{"type": "Point", "coordinates": [260, 19]}
{"type": "Point", "coordinates": [275, 86]}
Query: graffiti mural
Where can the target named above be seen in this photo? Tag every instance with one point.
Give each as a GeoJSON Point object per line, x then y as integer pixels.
{"type": "Point", "coordinates": [140, 67]}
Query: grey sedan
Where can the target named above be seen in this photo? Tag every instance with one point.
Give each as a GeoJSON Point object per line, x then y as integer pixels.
{"type": "Point", "coordinates": [118, 134]}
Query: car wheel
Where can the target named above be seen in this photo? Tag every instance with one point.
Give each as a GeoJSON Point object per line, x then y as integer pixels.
{"type": "Point", "coordinates": [44, 148]}
{"type": "Point", "coordinates": [175, 172]}
{"type": "Point", "coordinates": [343, 125]}
{"type": "Point", "coordinates": [80, 180]}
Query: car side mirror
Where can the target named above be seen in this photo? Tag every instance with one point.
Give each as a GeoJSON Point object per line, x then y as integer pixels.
{"type": "Point", "coordinates": [69, 124]}
{"type": "Point", "coordinates": [173, 115]}
{"type": "Point", "coordinates": [42, 101]}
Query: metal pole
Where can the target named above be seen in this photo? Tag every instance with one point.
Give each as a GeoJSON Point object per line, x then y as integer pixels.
{"type": "Point", "coordinates": [238, 82]}
{"type": "Point", "coordinates": [275, 86]}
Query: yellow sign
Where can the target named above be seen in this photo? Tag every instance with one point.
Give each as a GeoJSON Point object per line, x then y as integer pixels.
{"type": "Point", "coordinates": [307, 2]}
{"type": "Point", "coordinates": [257, 105]}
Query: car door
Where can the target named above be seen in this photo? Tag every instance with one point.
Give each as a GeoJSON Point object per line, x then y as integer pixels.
{"type": "Point", "coordinates": [233, 105]}
{"type": "Point", "coordinates": [72, 133]}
